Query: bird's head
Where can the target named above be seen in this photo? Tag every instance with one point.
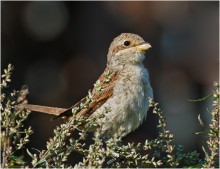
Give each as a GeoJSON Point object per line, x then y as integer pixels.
{"type": "Point", "coordinates": [127, 48]}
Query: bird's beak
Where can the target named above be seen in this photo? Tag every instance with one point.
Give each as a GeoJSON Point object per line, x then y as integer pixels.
{"type": "Point", "coordinates": [143, 47]}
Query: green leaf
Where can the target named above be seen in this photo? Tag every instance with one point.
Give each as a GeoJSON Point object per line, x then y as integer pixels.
{"type": "Point", "coordinates": [18, 160]}
{"type": "Point", "coordinates": [29, 153]}
{"type": "Point", "coordinates": [200, 121]}
{"type": "Point", "coordinates": [201, 132]}
{"type": "Point", "coordinates": [202, 99]}
{"type": "Point", "coordinates": [36, 150]}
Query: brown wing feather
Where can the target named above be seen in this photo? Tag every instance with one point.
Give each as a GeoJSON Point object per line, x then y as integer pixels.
{"type": "Point", "coordinates": [68, 111]}
{"type": "Point", "coordinates": [99, 100]}
{"type": "Point", "coordinates": [101, 92]}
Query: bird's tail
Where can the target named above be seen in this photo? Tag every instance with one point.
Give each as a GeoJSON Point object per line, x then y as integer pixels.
{"type": "Point", "coordinates": [43, 109]}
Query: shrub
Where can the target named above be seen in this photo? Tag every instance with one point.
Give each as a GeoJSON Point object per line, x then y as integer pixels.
{"type": "Point", "coordinates": [112, 152]}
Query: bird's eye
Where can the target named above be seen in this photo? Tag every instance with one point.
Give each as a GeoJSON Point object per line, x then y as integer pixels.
{"type": "Point", "coordinates": [127, 43]}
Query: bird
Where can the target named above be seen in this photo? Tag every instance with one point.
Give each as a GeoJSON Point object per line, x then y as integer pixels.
{"type": "Point", "coordinates": [121, 94]}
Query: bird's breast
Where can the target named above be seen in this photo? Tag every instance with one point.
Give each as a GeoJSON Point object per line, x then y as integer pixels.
{"type": "Point", "coordinates": [131, 97]}
{"type": "Point", "coordinates": [133, 87]}
{"type": "Point", "coordinates": [128, 105]}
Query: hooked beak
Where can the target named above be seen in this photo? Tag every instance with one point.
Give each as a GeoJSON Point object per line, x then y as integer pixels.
{"type": "Point", "coordinates": [143, 47]}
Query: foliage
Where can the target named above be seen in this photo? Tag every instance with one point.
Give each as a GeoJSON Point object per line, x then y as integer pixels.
{"type": "Point", "coordinates": [13, 134]}
{"type": "Point", "coordinates": [212, 157]}
{"type": "Point", "coordinates": [103, 152]}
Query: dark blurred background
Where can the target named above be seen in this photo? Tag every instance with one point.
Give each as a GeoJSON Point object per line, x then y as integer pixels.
{"type": "Point", "coordinates": [59, 50]}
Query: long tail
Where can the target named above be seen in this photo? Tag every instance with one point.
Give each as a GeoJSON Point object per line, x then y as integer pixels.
{"type": "Point", "coordinates": [43, 109]}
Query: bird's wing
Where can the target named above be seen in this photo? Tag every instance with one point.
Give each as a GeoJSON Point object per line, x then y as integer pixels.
{"type": "Point", "coordinates": [103, 89]}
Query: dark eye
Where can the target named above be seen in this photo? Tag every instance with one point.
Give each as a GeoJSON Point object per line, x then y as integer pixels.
{"type": "Point", "coordinates": [127, 43]}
